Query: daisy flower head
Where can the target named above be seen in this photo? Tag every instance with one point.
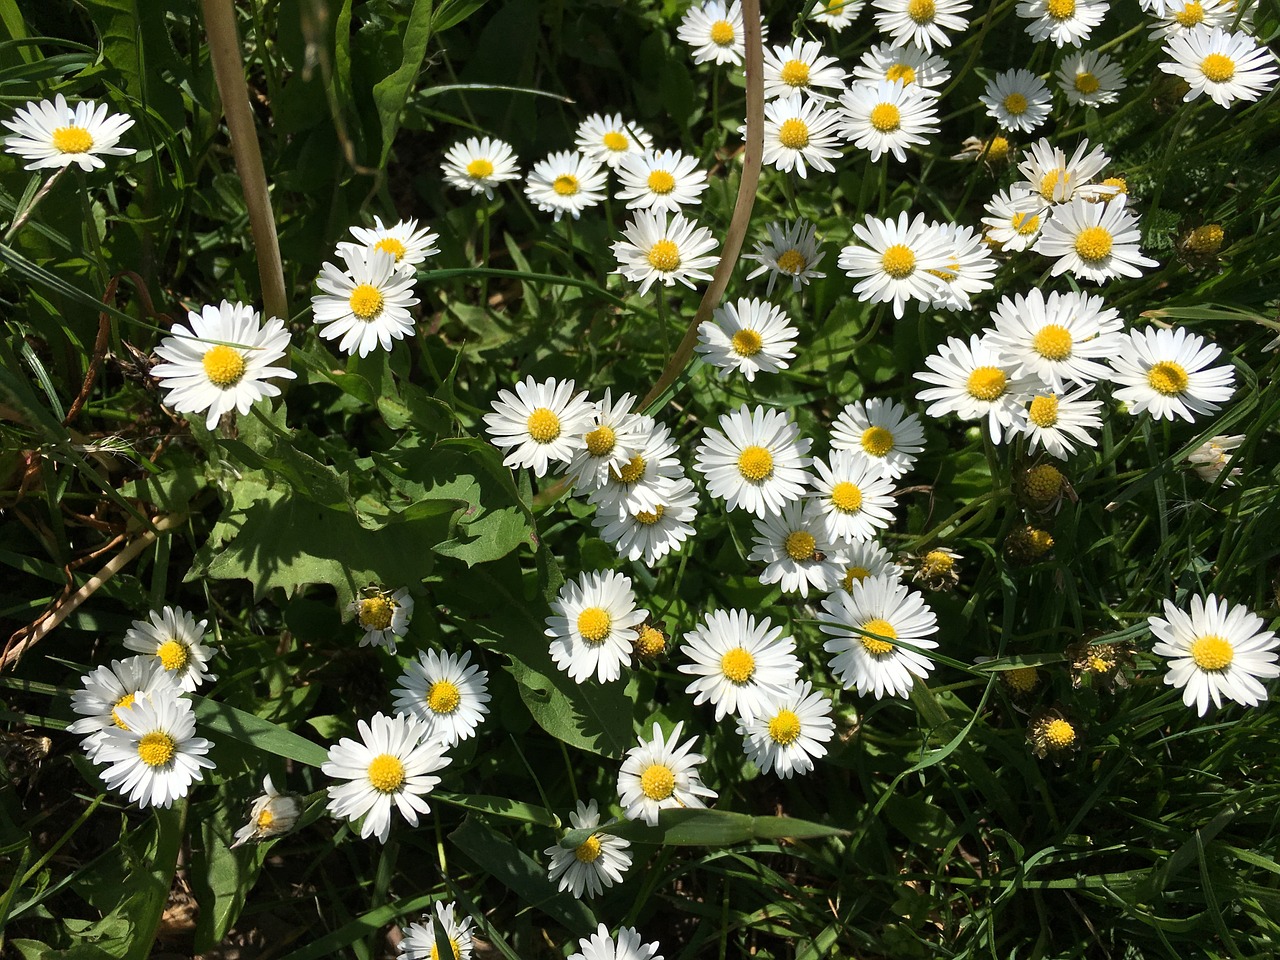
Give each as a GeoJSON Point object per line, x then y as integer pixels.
{"type": "Point", "coordinates": [852, 496]}
{"type": "Point", "coordinates": [791, 251]}
{"type": "Point", "coordinates": [1056, 179]}
{"type": "Point", "coordinates": [715, 32]}
{"type": "Point", "coordinates": [867, 559]}
{"type": "Point", "coordinates": [751, 336]}
{"type": "Point", "coordinates": [800, 67]}
{"type": "Point", "coordinates": [221, 362]}
{"type": "Point", "coordinates": [596, 863]}
{"type": "Point", "coordinates": [1216, 652]}
{"type": "Point", "coordinates": [896, 260]}
{"type": "Point", "coordinates": [969, 269]}
{"type": "Point", "coordinates": [867, 623]}
{"type": "Point", "coordinates": [544, 423]}
{"type": "Point", "coordinates": [837, 14]}
{"type": "Point", "coordinates": [1167, 372]}
{"type": "Point", "coordinates": [1090, 79]}
{"type": "Point", "coordinates": [909, 64]}
{"type": "Point", "coordinates": [403, 240]}
{"type": "Point", "coordinates": [660, 180]}
{"type": "Point", "coordinates": [1014, 218]}
{"type": "Point", "coordinates": [756, 460]}
{"type": "Point", "coordinates": [800, 131]}
{"type": "Point", "coordinates": [566, 182]}
{"type": "Point", "coordinates": [1017, 100]}
{"type": "Point", "coordinates": [1180, 17]}
{"type": "Point", "coordinates": [1062, 21]}
{"type": "Point", "coordinates": [627, 946]}
{"type": "Point", "coordinates": [175, 639]}
{"type": "Point", "coordinates": [797, 550]}
{"type": "Point", "coordinates": [649, 535]}
{"type": "Point", "coordinates": [388, 768]}
{"type": "Point", "coordinates": [449, 694]}
{"type": "Point", "coordinates": [645, 481]}
{"type": "Point", "coordinates": [972, 382]}
{"type": "Point", "coordinates": [419, 941]}
{"type": "Point", "coordinates": [591, 631]}
{"type": "Point", "coordinates": [654, 249]}
{"type": "Point", "coordinates": [152, 757]}
{"type": "Point", "coordinates": [108, 690]}
{"type": "Point", "coordinates": [273, 813]}
{"type": "Point", "coordinates": [738, 662]}
{"type": "Point", "coordinates": [936, 568]}
{"type": "Point", "coordinates": [920, 23]}
{"type": "Point", "coordinates": [609, 139]}
{"type": "Point", "coordinates": [1211, 458]}
{"type": "Point", "coordinates": [57, 134]}
{"type": "Point", "coordinates": [661, 774]}
{"type": "Point", "coordinates": [1058, 421]}
{"type": "Point", "coordinates": [791, 733]}
{"type": "Point", "coordinates": [1095, 241]}
{"type": "Point", "coordinates": [887, 117]}
{"type": "Point", "coordinates": [1060, 338]}
{"type": "Point", "coordinates": [1052, 734]}
{"type": "Point", "coordinates": [882, 433]}
{"type": "Point", "coordinates": [1225, 64]}
{"type": "Point", "coordinates": [383, 615]}
{"type": "Point", "coordinates": [367, 305]}
{"type": "Point", "coordinates": [479, 165]}
{"type": "Point", "coordinates": [612, 438]}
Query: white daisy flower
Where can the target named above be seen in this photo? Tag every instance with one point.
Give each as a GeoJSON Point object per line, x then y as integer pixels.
{"type": "Point", "coordinates": [1058, 421]}
{"type": "Point", "coordinates": [628, 946]}
{"type": "Point", "coordinates": [390, 765]}
{"type": "Point", "coordinates": [661, 774]}
{"type": "Point", "coordinates": [1018, 100]}
{"type": "Point", "coordinates": [383, 615]}
{"type": "Point", "coordinates": [596, 863]}
{"type": "Point", "coordinates": [479, 165]}
{"type": "Point", "coordinates": [57, 134]}
{"type": "Point", "coordinates": [655, 250]}
{"type": "Point", "coordinates": [751, 336]}
{"type": "Point", "coordinates": [1095, 241]}
{"type": "Point", "coordinates": [867, 559]}
{"type": "Point", "coordinates": [868, 622]}
{"type": "Point", "coordinates": [544, 423]}
{"type": "Point", "coordinates": [896, 260]}
{"type": "Point", "coordinates": [649, 535]}
{"type": "Point", "coordinates": [798, 131]}
{"type": "Point", "coordinates": [175, 639]}
{"type": "Point", "coordinates": [403, 240]}
{"type": "Point", "coordinates": [1055, 179]}
{"type": "Point", "coordinates": [887, 117]}
{"type": "Point", "coordinates": [273, 814]}
{"type": "Point", "coordinates": [715, 32]}
{"type": "Point", "coordinates": [797, 550]}
{"type": "Point", "coordinates": [566, 182]}
{"type": "Point", "coordinates": [920, 23]}
{"type": "Point", "coordinates": [591, 630]}
{"type": "Point", "coordinates": [610, 140]}
{"type": "Point", "coordinates": [837, 14]}
{"type": "Point", "coordinates": [1090, 79]}
{"type": "Point", "coordinates": [757, 463]}
{"type": "Point", "coordinates": [448, 694]}
{"type": "Point", "coordinates": [661, 180]}
{"type": "Point", "coordinates": [910, 64]}
{"type": "Point", "coordinates": [1182, 16]}
{"type": "Point", "coordinates": [1167, 372]}
{"type": "Point", "coordinates": [1224, 64]}
{"type": "Point", "coordinates": [1212, 457]}
{"type": "Point", "coordinates": [646, 480]}
{"type": "Point", "coordinates": [791, 250]}
{"type": "Point", "coordinates": [791, 733]}
{"type": "Point", "coordinates": [419, 941]}
{"type": "Point", "coordinates": [1062, 21]}
{"type": "Point", "coordinates": [367, 305]}
{"type": "Point", "coordinates": [1218, 652]}
{"type": "Point", "coordinates": [737, 663]}
{"type": "Point", "coordinates": [107, 690]}
{"type": "Point", "coordinates": [882, 433]}
{"type": "Point", "coordinates": [1014, 219]}
{"type": "Point", "coordinates": [969, 269]}
{"type": "Point", "coordinates": [221, 361]}
{"type": "Point", "coordinates": [152, 757]}
{"type": "Point", "coordinates": [612, 438]}
{"type": "Point", "coordinates": [1059, 338]}
{"type": "Point", "coordinates": [975, 384]}
{"type": "Point", "coordinates": [853, 497]}
{"type": "Point", "coordinates": [800, 67]}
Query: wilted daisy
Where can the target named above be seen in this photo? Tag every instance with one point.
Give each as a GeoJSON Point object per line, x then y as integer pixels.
{"type": "Point", "coordinates": [1091, 79]}
{"type": "Point", "coordinates": [479, 165]}
{"type": "Point", "coordinates": [403, 240]}
{"type": "Point", "coordinates": [108, 690]}
{"type": "Point", "coordinates": [791, 251]}
{"type": "Point", "coordinates": [173, 637]}
{"type": "Point", "coordinates": [852, 496]}
{"type": "Point", "coordinates": [591, 630]}
{"type": "Point", "coordinates": [1218, 651]}
{"type": "Point", "coordinates": [649, 535]}
{"type": "Point", "coordinates": [383, 615]}
{"type": "Point", "coordinates": [1211, 458]}
{"type": "Point", "coordinates": [1059, 338]}
{"type": "Point", "coordinates": [867, 559]}
{"type": "Point", "coordinates": [969, 269]}
{"type": "Point", "coordinates": [1062, 21]}
{"type": "Point", "coordinates": [881, 432]}
{"type": "Point", "coordinates": [661, 774]}
{"type": "Point", "coordinates": [1224, 64]}
{"type": "Point", "coordinates": [653, 249]}
{"type": "Point", "coordinates": [757, 463]}
{"type": "Point", "coordinates": [797, 550]}
{"type": "Point", "coordinates": [887, 117]}
{"type": "Point", "coordinates": [1018, 100]}
{"type": "Point", "coordinates": [1167, 372]}
{"type": "Point", "coordinates": [800, 67]}
{"type": "Point", "coordinates": [448, 694]}
{"type": "Point", "coordinates": [714, 31]}
{"type": "Point", "coordinates": [661, 180]}
{"type": "Point", "coordinates": [390, 765]}
{"type": "Point", "coordinates": [609, 139]}
{"type": "Point", "coordinates": [936, 568]}
{"type": "Point", "coordinates": [273, 813]}
{"type": "Point", "coordinates": [544, 422]}
{"type": "Point", "coordinates": [1014, 218]}
{"type": "Point", "coordinates": [57, 134]}
{"type": "Point", "coordinates": [921, 23]}
{"type": "Point", "coordinates": [752, 336]}
{"type": "Point", "coordinates": [367, 304]}
{"type": "Point", "coordinates": [1181, 16]}
{"type": "Point", "coordinates": [566, 182]}
{"type": "Point", "coordinates": [868, 622]}
{"type": "Point", "coordinates": [800, 132]}
{"type": "Point", "coordinates": [837, 14]}
{"type": "Point", "coordinates": [645, 481]}
{"type": "Point", "coordinates": [1052, 734]}
{"type": "Point", "coordinates": [975, 384]}
{"type": "Point", "coordinates": [896, 261]}
{"type": "Point", "coordinates": [1059, 421]}
{"type": "Point", "coordinates": [612, 438]}
{"type": "Point", "coordinates": [1057, 179]}
{"type": "Point", "coordinates": [1095, 241]}
{"type": "Point", "coordinates": [628, 946]}
{"type": "Point", "coordinates": [221, 361]}
{"type": "Point", "coordinates": [152, 757]}
{"type": "Point", "coordinates": [598, 862]}
{"type": "Point", "coordinates": [419, 941]}
{"type": "Point", "coordinates": [738, 662]}
{"type": "Point", "coordinates": [791, 733]}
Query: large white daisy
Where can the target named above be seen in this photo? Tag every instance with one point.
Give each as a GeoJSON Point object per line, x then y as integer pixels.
{"type": "Point", "coordinates": [852, 496]}
{"type": "Point", "coordinates": [610, 140]}
{"type": "Point", "coordinates": [661, 180]}
{"type": "Point", "coordinates": [646, 480]}
{"type": "Point", "coordinates": [887, 116]}
{"type": "Point", "coordinates": [896, 261]}
{"type": "Point", "coordinates": [800, 132]}
{"type": "Point", "coordinates": [714, 31]}
{"type": "Point", "coordinates": [1224, 64]}
{"type": "Point", "coordinates": [649, 535]}
{"type": "Point", "coordinates": [449, 694]}
{"type": "Point", "coordinates": [738, 662]}
{"type": "Point", "coordinates": [1059, 338]}
{"type": "Point", "coordinates": [1059, 421]}
{"type": "Point", "coordinates": [612, 438]}
{"type": "Point", "coordinates": [1095, 241]}
{"type": "Point", "coordinates": [566, 182]}
{"type": "Point", "coordinates": [975, 384]}
{"type": "Point", "coordinates": [175, 639]}
{"type": "Point", "coordinates": [367, 304]}
{"type": "Point", "coordinates": [1062, 21]}
{"type": "Point", "coordinates": [800, 67]}
{"type": "Point", "coordinates": [920, 23]}
{"type": "Point", "coordinates": [597, 862]}
{"type": "Point", "coordinates": [1017, 100]}
{"type": "Point", "coordinates": [479, 165]}
{"type": "Point", "coordinates": [661, 774]}
{"type": "Point", "coordinates": [907, 63]}
{"type": "Point", "coordinates": [403, 240]}
{"type": "Point", "coordinates": [107, 690]}
{"type": "Point", "coordinates": [791, 733]}
{"type": "Point", "coordinates": [1090, 79]}
{"type": "Point", "coordinates": [544, 423]}
{"type": "Point", "coordinates": [152, 756]}
{"type": "Point", "coordinates": [654, 249]}
{"type": "Point", "coordinates": [591, 630]}
{"type": "Point", "coordinates": [757, 463]}
{"type": "Point", "coordinates": [797, 550]}
{"type": "Point", "coordinates": [57, 134]}
{"type": "Point", "coordinates": [881, 432]}
{"type": "Point", "coordinates": [1167, 373]}
{"type": "Point", "coordinates": [751, 336]}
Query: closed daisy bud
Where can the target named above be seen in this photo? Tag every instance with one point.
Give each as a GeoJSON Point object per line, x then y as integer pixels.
{"type": "Point", "coordinates": [1027, 544]}
{"type": "Point", "coordinates": [1052, 735]}
{"type": "Point", "coordinates": [273, 813]}
{"type": "Point", "coordinates": [936, 569]}
{"type": "Point", "coordinates": [1100, 665]}
{"type": "Point", "coordinates": [1042, 487]}
{"type": "Point", "coordinates": [1020, 681]}
{"type": "Point", "coordinates": [1202, 244]}
{"type": "Point", "coordinates": [650, 642]}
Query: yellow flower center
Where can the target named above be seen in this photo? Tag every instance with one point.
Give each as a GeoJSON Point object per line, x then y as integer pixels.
{"type": "Point", "coordinates": [453, 948]}
{"type": "Point", "coordinates": [631, 471]}
{"type": "Point", "coordinates": [755, 463]}
{"type": "Point", "coordinates": [738, 666]}
{"type": "Point", "coordinates": [722, 33]}
{"type": "Point", "coordinates": [877, 441]}
{"type": "Point", "coordinates": [658, 781]}
{"type": "Point", "coordinates": [846, 497]}
{"type": "Point", "coordinates": [1037, 542]}
{"type": "Point", "coordinates": [173, 654]}
{"type": "Point", "coordinates": [937, 563]}
{"type": "Point", "coordinates": [156, 749]}
{"type": "Point", "coordinates": [650, 641]}
{"type": "Point", "coordinates": [588, 851]}
{"type": "Point", "coordinates": [615, 141]}
{"type": "Point", "coordinates": [878, 648]}
{"type": "Point", "coordinates": [747, 343]}
{"type": "Point", "coordinates": [479, 168]}
{"type": "Point", "coordinates": [72, 139]}
{"type": "Point", "coordinates": [1044, 411]}
{"type": "Point", "coordinates": [566, 185]}
{"type": "Point", "coordinates": [1118, 183]}
{"type": "Point", "coordinates": [365, 302]}
{"type": "Point", "coordinates": [854, 575]}
{"type": "Point", "coordinates": [793, 134]}
{"type": "Point", "coordinates": [1053, 342]}
{"type": "Point", "coordinates": [124, 703]}
{"type": "Point", "coordinates": [1059, 734]}
{"type": "Point", "coordinates": [543, 425]}
{"type": "Point", "coordinates": [800, 545]}
{"type": "Point", "coordinates": [795, 73]}
{"type": "Point", "coordinates": [1212, 652]}
{"type": "Point", "coordinates": [1218, 68]}
{"type": "Point", "coordinates": [784, 729]}
{"type": "Point", "coordinates": [792, 262]}
{"type": "Point", "coordinates": [886, 117]}
{"type": "Point", "coordinates": [1016, 104]}
{"type": "Point", "coordinates": [900, 71]}
{"type": "Point", "coordinates": [1206, 240]}
{"type": "Point", "coordinates": [649, 518]}
{"type": "Point", "coordinates": [987, 383]}
{"type": "Point", "coordinates": [664, 255]}
{"type": "Point", "coordinates": [898, 261]}
{"type": "Point", "coordinates": [600, 441]}
{"type": "Point", "coordinates": [661, 182]}
{"type": "Point", "coordinates": [1049, 183]}
{"type": "Point", "coordinates": [1167, 378]}
{"type": "Point", "coordinates": [223, 366]}
{"type": "Point", "coordinates": [922, 11]}
{"type": "Point", "coordinates": [1021, 680]}
{"type": "Point", "coordinates": [375, 613]}
{"type": "Point", "coordinates": [1191, 14]}
{"type": "Point", "coordinates": [1093, 244]}
{"type": "Point", "coordinates": [443, 697]}
{"type": "Point", "coordinates": [265, 820]}
{"type": "Point", "coordinates": [1060, 9]}
{"type": "Point", "coordinates": [594, 624]}
{"type": "Point", "coordinates": [998, 148]}
{"type": "Point", "coordinates": [1043, 483]}
{"type": "Point", "coordinates": [386, 773]}
{"type": "Point", "coordinates": [835, 7]}
{"type": "Point", "coordinates": [1025, 223]}
{"type": "Point", "coordinates": [392, 246]}
{"type": "Point", "coordinates": [1086, 83]}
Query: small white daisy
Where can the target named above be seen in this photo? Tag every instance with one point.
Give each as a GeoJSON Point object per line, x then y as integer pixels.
{"type": "Point", "coordinates": [403, 240]}
{"type": "Point", "coordinates": [800, 132]}
{"type": "Point", "coordinates": [1181, 16]}
{"type": "Point", "coordinates": [383, 615]}
{"type": "Point", "coordinates": [566, 182]}
{"type": "Point", "coordinates": [544, 423]}
{"type": "Point", "coordinates": [837, 14]}
{"type": "Point", "coordinates": [661, 180]}
{"type": "Point", "coordinates": [628, 946]}
{"type": "Point", "coordinates": [791, 251]}
{"type": "Point", "coordinates": [107, 690]}
{"type": "Point", "coordinates": [887, 117]}
{"type": "Point", "coordinates": [1062, 21]}
{"type": "Point", "coordinates": [1224, 64]}
{"type": "Point", "coordinates": [791, 733]}
{"type": "Point", "coordinates": [653, 249]}
{"type": "Point", "coordinates": [920, 23]}
{"type": "Point", "coordinates": [1090, 79]}
{"type": "Point", "coordinates": [1095, 241]}
{"type": "Point", "coordinates": [910, 64]}
{"type": "Point", "coordinates": [646, 480]}
{"type": "Point", "coordinates": [591, 630]}
{"type": "Point", "coordinates": [612, 438]}
{"type": "Point", "coordinates": [1018, 100]}
{"type": "Point", "coordinates": [853, 497]}
{"type": "Point", "coordinates": [714, 31]}
{"type": "Point", "coordinates": [152, 757]}
{"type": "Point", "coordinates": [1055, 179]}
{"type": "Point", "coordinates": [751, 336]}
{"type": "Point", "coordinates": [479, 165]}
{"type": "Point", "coordinates": [1014, 218]}
{"type": "Point", "coordinates": [968, 271]}
{"type": "Point", "coordinates": [1167, 372]}
{"type": "Point", "coordinates": [273, 814]}
{"type": "Point", "coordinates": [649, 535]}
{"type": "Point", "coordinates": [661, 774]}
{"type": "Point", "coordinates": [175, 639]}
{"type": "Point", "coordinates": [449, 694]}
{"type": "Point", "coordinates": [1059, 338]}
{"type": "Point", "coordinates": [738, 662]}
{"type": "Point", "coordinates": [797, 551]}
{"type": "Point", "coordinates": [610, 140]}
{"type": "Point", "coordinates": [975, 384]}
{"type": "Point", "coordinates": [1058, 421]}
{"type": "Point", "coordinates": [57, 134]}
{"type": "Point", "coordinates": [896, 261]}
{"type": "Point", "coordinates": [757, 463]}
{"type": "Point", "coordinates": [598, 862]}
{"type": "Point", "coordinates": [800, 67]}
{"type": "Point", "coordinates": [419, 941]}
{"type": "Point", "coordinates": [881, 432]}
{"type": "Point", "coordinates": [367, 305]}
{"type": "Point", "coordinates": [867, 559]}
{"type": "Point", "coordinates": [1211, 458]}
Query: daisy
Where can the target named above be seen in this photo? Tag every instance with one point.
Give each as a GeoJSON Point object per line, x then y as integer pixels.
{"type": "Point", "coordinates": [1059, 338]}
{"type": "Point", "coordinates": [1026, 544]}
{"type": "Point", "coordinates": [649, 535]}
{"type": "Point", "coordinates": [390, 765]}
{"type": "Point", "coordinates": [837, 14]}
{"type": "Point", "coordinates": [273, 814]}
{"type": "Point", "coordinates": [882, 433]}
{"type": "Point", "coordinates": [797, 551]}
{"type": "Point", "coordinates": [920, 23]}
{"type": "Point", "coordinates": [757, 463]}
{"type": "Point", "coordinates": [791, 733]}
{"type": "Point", "coordinates": [108, 690]}
{"type": "Point", "coordinates": [1224, 64]}
{"type": "Point", "coordinates": [646, 481]}
{"type": "Point", "coordinates": [419, 941]}
{"type": "Point", "coordinates": [1090, 79]}
{"type": "Point", "coordinates": [598, 862]}
{"type": "Point", "coordinates": [867, 559]}
{"type": "Point", "coordinates": [1018, 100]}
{"type": "Point", "coordinates": [659, 775]}
{"type": "Point", "coordinates": [1217, 652]}
{"type": "Point", "coordinates": [57, 134]}
{"type": "Point", "coordinates": [1051, 734]}
{"type": "Point", "coordinates": [737, 663]}
{"type": "Point", "coordinates": [936, 569]}
{"type": "Point", "coordinates": [799, 67]}
{"type": "Point", "coordinates": [610, 140]}
{"type": "Point", "coordinates": [852, 496]}
{"type": "Point", "coordinates": [383, 615]}
{"type": "Point", "coordinates": [612, 438]}
{"type": "Point", "coordinates": [969, 268]}
{"type": "Point", "coordinates": [448, 694]}
{"type": "Point", "coordinates": [544, 423]}
{"type": "Point", "coordinates": [886, 117]}
{"type": "Point", "coordinates": [480, 165]}
{"type": "Point", "coordinates": [895, 261]}
{"type": "Point", "coordinates": [866, 622]}
{"type": "Point", "coordinates": [655, 250]}
{"type": "Point", "coordinates": [221, 361]}
{"type": "Point", "coordinates": [973, 383]}
{"type": "Point", "coordinates": [175, 639]}
{"type": "Point", "coordinates": [152, 757]}
{"type": "Point", "coordinates": [1014, 219]}
{"type": "Point", "coordinates": [566, 182]}
{"type": "Point", "coordinates": [910, 64]}
{"type": "Point", "coordinates": [628, 946]}
{"type": "Point", "coordinates": [791, 250]}
{"type": "Point", "coordinates": [367, 305]}
{"type": "Point", "coordinates": [1062, 21]}
{"type": "Point", "coordinates": [1167, 372]}
{"type": "Point", "coordinates": [404, 241]}
{"type": "Point", "coordinates": [1210, 459]}
{"type": "Point", "coordinates": [715, 32]}
{"type": "Point", "coordinates": [1055, 179]}
{"type": "Point", "coordinates": [1180, 17]}
{"type": "Point", "coordinates": [591, 630]}
{"type": "Point", "coordinates": [798, 131]}
{"type": "Point", "coordinates": [1095, 241]}
{"type": "Point", "coordinates": [662, 180]}
{"type": "Point", "coordinates": [751, 336]}
{"type": "Point", "coordinates": [1057, 421]}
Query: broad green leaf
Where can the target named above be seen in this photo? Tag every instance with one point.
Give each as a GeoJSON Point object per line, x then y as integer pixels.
{"type": "Point", "coordinates": [705, 828]}
{"type": "Point", "coordinates": [258, 733]}
{"type": "Point", "coordinates": [500, 807]}
{"type": "Point", "coordinates": [391, 93]}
